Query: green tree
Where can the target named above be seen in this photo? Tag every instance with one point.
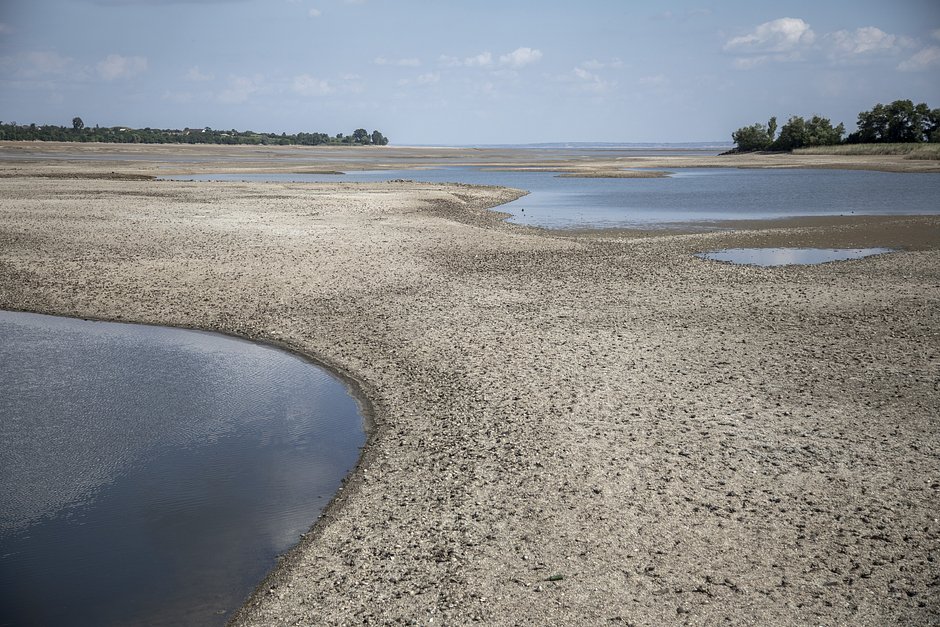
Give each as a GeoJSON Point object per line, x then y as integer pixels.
{"type": "Point", "coordinates": [932, 126]}
{"type": "Point", "coordinates": [800, 133]}
{"type": "Point", "coordinates": [361, 136]}
{"type": "Point", "coordinates": [821, 132]}
{"type": "Point", "coordinates": [872, 126]}
{"type": "Point", "coordinates": [772, 127]}
{"type": "Point", "coordinates": [792, 134]}
{"type": "Point", "coordinates": [904, 122]}
{"type": "Point", "coordinates": [751, 138]}
{"type": "Point", "coordinates": [379, 139]}
{"type": "Point", "coordinates": [901, 121]}
{"type": "Point", "coordinates": [77, 124]}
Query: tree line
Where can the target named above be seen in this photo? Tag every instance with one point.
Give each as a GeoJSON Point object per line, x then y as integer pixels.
{"type": "Point", "coordinates": [899, 122]}
{"type": "Point", "coordinates": [78, 132]}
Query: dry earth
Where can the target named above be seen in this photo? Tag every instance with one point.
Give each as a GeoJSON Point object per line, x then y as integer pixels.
{"type": "Point", "coordinates": [566, 429]}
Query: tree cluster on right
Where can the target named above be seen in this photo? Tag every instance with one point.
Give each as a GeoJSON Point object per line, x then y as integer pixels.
{"type": "Point", "coordinates": [899, 122]}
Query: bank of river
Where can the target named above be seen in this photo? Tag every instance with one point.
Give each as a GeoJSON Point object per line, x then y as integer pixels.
{"type": "Point", "coordinates": [152, 475]}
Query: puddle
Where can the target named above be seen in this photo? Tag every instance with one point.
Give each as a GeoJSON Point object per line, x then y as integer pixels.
{"type": "Point", "coordinates": [789, 256]}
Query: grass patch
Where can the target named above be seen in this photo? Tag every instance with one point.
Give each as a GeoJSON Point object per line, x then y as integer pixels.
{"type": "Point", "coordinates": [909, 151]}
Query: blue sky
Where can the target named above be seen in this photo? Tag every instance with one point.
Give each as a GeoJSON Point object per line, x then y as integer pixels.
{"type": "Point", "coordinates": [448, 72]}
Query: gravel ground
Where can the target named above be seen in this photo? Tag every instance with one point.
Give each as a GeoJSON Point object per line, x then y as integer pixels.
{"type": "Point", "coordinates": [578, 428]}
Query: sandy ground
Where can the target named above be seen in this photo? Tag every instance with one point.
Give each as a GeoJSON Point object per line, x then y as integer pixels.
{"type": "Point", "coordinates": [584, 428]}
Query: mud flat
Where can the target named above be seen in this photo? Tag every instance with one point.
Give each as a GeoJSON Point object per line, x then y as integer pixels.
{"type": "Point", "coordinates": [585, 428]}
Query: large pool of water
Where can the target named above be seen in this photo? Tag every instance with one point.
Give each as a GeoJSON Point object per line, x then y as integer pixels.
{"type": "Point", "coordinates": [689, 196]}
{"type": "Point", "coordinates": [151, 475]}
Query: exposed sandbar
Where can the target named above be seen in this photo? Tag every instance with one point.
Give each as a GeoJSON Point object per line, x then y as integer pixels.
{"type": "Point", "coordinates": [569, 429]}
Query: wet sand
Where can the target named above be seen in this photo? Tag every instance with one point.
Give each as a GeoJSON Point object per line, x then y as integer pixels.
{"type": "Point", "coordinates": [570, 428]}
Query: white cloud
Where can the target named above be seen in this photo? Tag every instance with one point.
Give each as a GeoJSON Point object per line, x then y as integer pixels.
{"type": "Point", "coordinates": [520, 57]}
{"type": "Point", "coordinates": [584, 77]}
{"type": "Point", "coordinates": [747, 63]}
{"type": "Point", "coordinates": [484, 59]}
{"type": "Point", "coordinates": [926, 59]}
{"type": "Point", "coordinates": [588, 81]}
{"type": "Point", "coordinates": [786, 34]}
{"type": "Point", "coordinates": [240, 88]}
{"type": "Point", "coordinates": [584, 74]}
{"type": "Point", "coordinates": [594, 64]}
{"type": "Point", "coordinates": [861, 41]}
{"type": "Point", "coordinates": [407, 62]}
{"type": "Point", "coordinates": [307, 85]}
{"type": "Point", "coordinates": [196, 76]}
{"type": "Point", "coordinates": [428, 78]}
{"type": "Point", "coordinates": [115, 66]}
{"type": "Point", "coordinates": [314, 13]}
{"type": "Point", "coordinates": [792, 39]}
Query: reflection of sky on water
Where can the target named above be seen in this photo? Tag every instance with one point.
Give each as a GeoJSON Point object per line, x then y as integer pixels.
{"type": "Point", "coordinates": [789, 256]}
{"type": "Point", "coordinates": [148, 470]}
{"type": "Point", "coordinates": [690, 195]}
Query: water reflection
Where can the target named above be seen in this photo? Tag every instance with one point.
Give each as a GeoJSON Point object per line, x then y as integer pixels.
{"type": "Point", "coordinates": [152, 475]}
{"type": "Point", "coordinates": [789, 256]}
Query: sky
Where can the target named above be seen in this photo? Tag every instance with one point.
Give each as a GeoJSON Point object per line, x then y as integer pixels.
{"type": "Point", "coordinates": [470, 72]}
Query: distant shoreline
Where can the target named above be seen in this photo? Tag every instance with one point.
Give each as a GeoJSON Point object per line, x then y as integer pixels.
{"type": "Point", "coordinates": [580, 145]}
{"type": "Point", "coordinates": [181, 159]}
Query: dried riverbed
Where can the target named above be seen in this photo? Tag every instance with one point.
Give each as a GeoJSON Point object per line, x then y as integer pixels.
{"type": "Point", "coordinates": [588, 428]}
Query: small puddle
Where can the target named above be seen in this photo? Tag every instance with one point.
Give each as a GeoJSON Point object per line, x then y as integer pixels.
{"type": "Point", "coordinates": [789, 256]}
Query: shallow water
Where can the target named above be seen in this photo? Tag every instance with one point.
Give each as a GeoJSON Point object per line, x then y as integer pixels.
{"type": "Point", "coordinates": [689, 196]}
{"type": "Point", "coordinates": [151, 475]}
{"type": "Point", "coordinates": [789, 256]}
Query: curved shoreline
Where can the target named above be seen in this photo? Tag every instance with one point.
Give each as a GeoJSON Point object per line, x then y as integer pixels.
{"type": "Point", "coordinates": [671, 437]}
{"type": "Point", "coordinates": [364, 415]}
{"type": "Point", "coordinates": [354, 387]}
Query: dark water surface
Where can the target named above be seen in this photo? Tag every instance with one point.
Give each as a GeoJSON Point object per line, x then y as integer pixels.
{"type": "Point", "coordinates": [150, 475]}
{"type": "Point", "coordinates": [789, 256]}
{"type": "Point", "coordinates": [689, 195]}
